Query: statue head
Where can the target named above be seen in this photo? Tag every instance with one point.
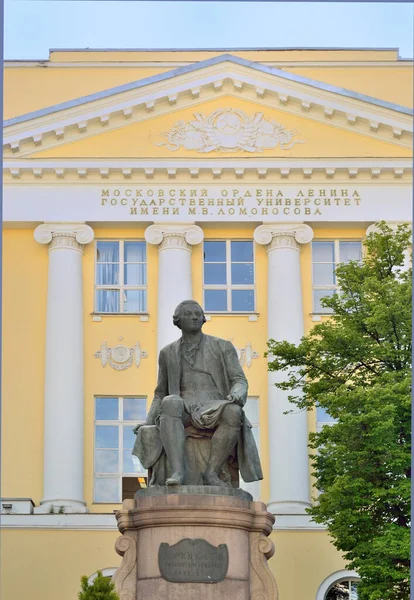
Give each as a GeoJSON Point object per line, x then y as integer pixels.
{"type": "Point", "coordinates": [189, 316]}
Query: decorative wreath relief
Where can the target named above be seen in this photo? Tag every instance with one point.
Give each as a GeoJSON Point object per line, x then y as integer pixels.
{"type": "Point", "coordinates": [246, 355]}
{"type": "Point", "coordinates": [120, 357]}
{"type": "Point", "coordinates": [229, 130]}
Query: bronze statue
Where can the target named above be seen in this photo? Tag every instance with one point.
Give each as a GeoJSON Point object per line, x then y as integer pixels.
{"type": "Point", "coordinates": [196, 431]}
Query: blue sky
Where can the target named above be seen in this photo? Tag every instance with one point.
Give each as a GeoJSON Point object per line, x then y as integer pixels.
{"type": "Point", "coordinates": [32, 26]}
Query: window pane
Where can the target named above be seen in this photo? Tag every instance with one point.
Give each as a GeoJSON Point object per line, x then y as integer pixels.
{"type": "Point", "coordinates": [242, 300]}
{"type": "Point", "coordinates": [106, 436]}
{"type": "Point", "coordinates": [215, 300]}
{"type": "Point", "coordinates": [242, 273]}
{"type": "Point", "coordinates": [241, 251]}
{"type": "Point", "coordinates": [107, 301]}
{"type": "Point", "coordinates": [339, 591]}
{"type": "Point", "coordinates": [135, 409]}
{"type": "Point", "coordinates": [135, 301]}
{"type": "Point", "coordinates": [107, 274]}
{"type": "Point", "coordinates": [323, 274]}
{"type": "Point", "coordinates": [106, 409]}
{"type": "Point", "coordinates": [106, 461]}
{"type": "Point", "coordinates": [129, 437]}
{"type": "Point", "coordinates": [134, 251]}
{"type": "Point", "coordinates": [135, 274]}
{"type": "Point", "coordinates": [131, 463]}
{"type": "Point", "coordinates": [215, 251]}
{"type": "Point", "coordinates": [106, 489]}
{"type": "Point", "coordinates": [107, 252]}
{"type": "Point", "coordinates": [323, 252]}
{"type": "Point", "coordinates": [350, 251]}
{"type": "Point", "coordinates": [322, 416]}
{"type": "Point", "coordinates": [215, 273]}
{"type": "Point", "coordinates": [317, 295]}
{"type": "Point", "coordinates": [354, 590]}
{"type": "Point", "coordinates": [251, 409]}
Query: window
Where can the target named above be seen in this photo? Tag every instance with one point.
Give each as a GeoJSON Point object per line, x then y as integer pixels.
{"type": "Point", "coordinates": [251, 409]}
{"type": "Point", "coordinates": [323, 418]}
{"type": "Point", "coordinates": [229, 276]}
{"type": "Point", "coordinates": [115, 419]}
{"type": "Point", "coordinates": [108, 573]}
{"type": "Point", "coordinates": [326, 255]}
{"type": "Point", "coordinates": [341, 585]}
{"type": "Point", "coordinates": [121, 277]}
{"type": "Point", "coordinates": [343, 590]}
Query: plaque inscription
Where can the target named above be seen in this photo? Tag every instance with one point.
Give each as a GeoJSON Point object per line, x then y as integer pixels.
{"type": "Point", "coordinates": [193, 561]}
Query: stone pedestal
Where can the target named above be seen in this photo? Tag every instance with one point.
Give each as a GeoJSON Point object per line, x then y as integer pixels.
{"type": "Point", "coordinates": [216, 523]}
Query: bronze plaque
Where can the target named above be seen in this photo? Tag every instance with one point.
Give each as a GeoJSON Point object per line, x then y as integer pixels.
{"type": "Point", "coordinates": [193, 561]}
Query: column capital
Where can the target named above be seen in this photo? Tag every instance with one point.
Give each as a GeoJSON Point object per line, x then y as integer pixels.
{"type": "Point", "coordinates": [72, 236]}
{"type": "Point", "coordinates": [174, 235]}
{"type": "Point", "coordinates": [283, 235]}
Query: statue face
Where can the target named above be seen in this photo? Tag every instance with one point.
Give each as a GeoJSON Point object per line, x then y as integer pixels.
{"type": "Point", "coordinates": [191, 318]}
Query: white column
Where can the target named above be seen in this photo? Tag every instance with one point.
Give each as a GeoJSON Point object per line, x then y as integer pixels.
{"type": "Point", "coordinates": [288, 434]}
{"type": "Point", "coordinates": [174, 272]}
{"type": "Point", "coordinates": [63, 419]}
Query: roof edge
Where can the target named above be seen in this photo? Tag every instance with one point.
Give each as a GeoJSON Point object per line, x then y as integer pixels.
{"type": "Point", "coordinates": [196, 67]}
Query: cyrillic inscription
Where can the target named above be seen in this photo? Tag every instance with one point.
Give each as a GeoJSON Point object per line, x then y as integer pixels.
{"type": "Point", "coordinates": [193, 561]}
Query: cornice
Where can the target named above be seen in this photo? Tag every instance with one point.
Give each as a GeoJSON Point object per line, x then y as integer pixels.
{"type": "Point", "coordinates": [103, 170]}
{"type": "Point", "coordinates": [159, 95]}
{"type": "Point", "coordinates": [16, 64]}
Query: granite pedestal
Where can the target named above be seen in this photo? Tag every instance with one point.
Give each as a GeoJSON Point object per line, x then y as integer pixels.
{"type": "Point", "coordinates": [194, 542]}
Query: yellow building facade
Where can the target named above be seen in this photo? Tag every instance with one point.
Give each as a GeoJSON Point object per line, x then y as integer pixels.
{"type": "Point", "coordinates": [134, 180]}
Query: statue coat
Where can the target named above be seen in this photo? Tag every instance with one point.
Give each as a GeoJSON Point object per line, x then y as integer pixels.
{"type": "Point", "coordinates": [221, 361]}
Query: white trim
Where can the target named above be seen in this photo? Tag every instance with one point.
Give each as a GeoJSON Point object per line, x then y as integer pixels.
{"type": "Point", "coordinates": [334, 578]}
{"type": "Point", "coordinates": [256, 168]}
{"type": "Point", "coordinates": [107, 522]}
{"type": "Point", "coordinates": [108, 572]}
{"type": "Point", "coordinates": [96, 521]}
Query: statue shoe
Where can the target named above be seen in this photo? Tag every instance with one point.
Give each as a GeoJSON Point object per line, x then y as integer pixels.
{"type": "Point", "coordinates": [175, 479]}
{"type": "Point", "coordinates": [211, 478]}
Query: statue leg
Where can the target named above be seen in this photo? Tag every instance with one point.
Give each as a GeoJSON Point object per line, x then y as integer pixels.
{"type": "Point", "coordinates": [173, 436]}
{"type": "Point", "coordinates": [222, 443]}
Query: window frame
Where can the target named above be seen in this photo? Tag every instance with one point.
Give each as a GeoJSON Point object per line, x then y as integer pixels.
{"type": "Point", "coordinates": [229, 287]}
{"type": "Point", "coordinates": [120, 423]}
{"type": "Point", "coordinates": [337, 577]}
{"type": "Point", "coordinates": [120, 287]}
{"type": "Point", "coordinates": [334, 287]}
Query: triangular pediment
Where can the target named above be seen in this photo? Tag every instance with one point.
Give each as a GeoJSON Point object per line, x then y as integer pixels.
{"type": "Point", "coordinates": [226, 127]}
{"type": "Point", "coordinates": [140, 112]}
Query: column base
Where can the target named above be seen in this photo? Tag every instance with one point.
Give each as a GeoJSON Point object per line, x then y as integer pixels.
{"type": "Point", "coordinates": [60, 506]}
{"type": "Point", "coordinates": [288, 507]}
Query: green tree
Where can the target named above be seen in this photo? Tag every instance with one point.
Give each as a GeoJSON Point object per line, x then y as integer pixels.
{"type": "Point", "coordinates": [357, 366]}
{"type": "Point", "coordinates": [101, 588]}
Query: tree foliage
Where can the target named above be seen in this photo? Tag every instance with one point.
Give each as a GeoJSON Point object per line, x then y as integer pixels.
{"type": "Point", "coordinates": [101, 588]}
{"type": "Point", "coordinates": [357, 366]}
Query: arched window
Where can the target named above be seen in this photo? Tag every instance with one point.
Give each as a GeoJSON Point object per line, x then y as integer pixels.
{"type": "Point", "coordinates": [105, 572]}
{"type": "Point", "coordinates": [341, 585]}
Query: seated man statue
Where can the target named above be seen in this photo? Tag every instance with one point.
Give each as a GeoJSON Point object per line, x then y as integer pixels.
{"type": "Point", "coordinates": [196, 431]}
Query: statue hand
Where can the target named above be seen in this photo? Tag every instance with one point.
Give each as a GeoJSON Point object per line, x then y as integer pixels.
{"type": "Point", "coordinates": [236, 398]}
{"type": "Point", "coordinates": [135, 430]}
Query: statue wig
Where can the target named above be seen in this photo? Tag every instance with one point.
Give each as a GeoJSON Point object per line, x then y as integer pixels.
{"type": "Point", "coordinates": [177, 312]}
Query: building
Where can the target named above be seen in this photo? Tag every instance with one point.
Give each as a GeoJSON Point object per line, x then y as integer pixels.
{"type": "Point", "coordinates": [133, 180]}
